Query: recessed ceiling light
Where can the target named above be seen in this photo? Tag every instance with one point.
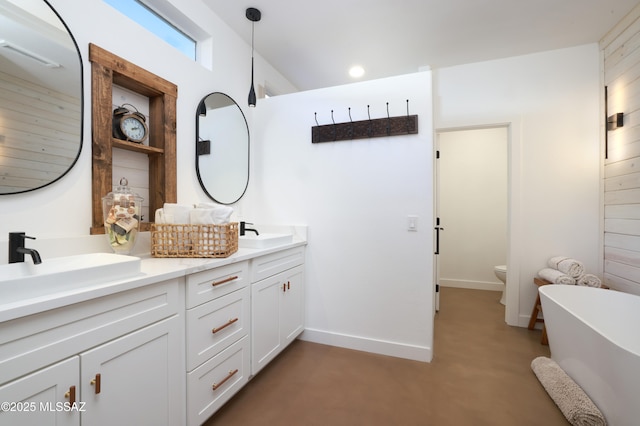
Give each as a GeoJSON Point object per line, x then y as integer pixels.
{"type": "Point", "coordinates": [356, 71]}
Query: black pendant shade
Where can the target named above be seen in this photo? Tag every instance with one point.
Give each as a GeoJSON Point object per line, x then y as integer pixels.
{"type": "Point", "coordinates": [254, 16]}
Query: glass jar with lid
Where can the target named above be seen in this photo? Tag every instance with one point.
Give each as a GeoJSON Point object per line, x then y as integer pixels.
{"type": "Point", "coordinates": [122, 213]}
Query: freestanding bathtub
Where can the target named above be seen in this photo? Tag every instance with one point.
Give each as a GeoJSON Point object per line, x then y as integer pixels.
{"type": "Point", "coordinates": [594, 337]}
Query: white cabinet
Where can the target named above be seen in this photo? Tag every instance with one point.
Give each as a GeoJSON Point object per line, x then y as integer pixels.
{"type": "Point", "coordinates": [217, 328]}
{"type": "Point", "coordinates": [277, 304]}
{"type": "Point", "coordinates": [119, 356]}
{"type": "Point", "coordinates": [35, 398]}
{"type": "Point", "coordinates": [133, 379]}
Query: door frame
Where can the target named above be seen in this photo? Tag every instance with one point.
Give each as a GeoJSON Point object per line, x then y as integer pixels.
{"type": "Point", "coordinates": [514, 214]}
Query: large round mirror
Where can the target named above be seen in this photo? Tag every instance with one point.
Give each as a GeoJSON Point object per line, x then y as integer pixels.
{"type": "Point", "coordinates": [222, 148]}
{"type": "Point", "coordinates": [40, 96]}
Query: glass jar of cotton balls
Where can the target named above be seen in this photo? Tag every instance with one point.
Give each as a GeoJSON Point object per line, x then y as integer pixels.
{"type": "Point", "coordinates": [122, 211]}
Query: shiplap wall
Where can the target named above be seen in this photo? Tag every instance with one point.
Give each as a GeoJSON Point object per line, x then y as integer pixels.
{"type": "Point", "coordinates": [621, 51]}
{"type": "Point", "coordinates": [133, 166]}
{"type": "Point", "coordinates": [39, 134]}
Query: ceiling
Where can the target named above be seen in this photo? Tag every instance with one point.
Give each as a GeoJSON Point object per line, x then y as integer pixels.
{"type": "Point", "coordinates": [314, 43]}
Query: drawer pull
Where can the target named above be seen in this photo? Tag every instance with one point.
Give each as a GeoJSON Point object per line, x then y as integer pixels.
{"type": "Point", "coordinates": [71, 394]}
{"type": "Point", "coordinates": [96, 383]}
{"type": "Point", "coordinates": [222, 327]}
{"type": "Point", "coordinates": [230, 375]}
{"type": "Point", "coordinates": [284, 287]}
{"type": "Point", "coordinates": [226, 280]}
{"type": "Point", "coordinates": [288, 285]}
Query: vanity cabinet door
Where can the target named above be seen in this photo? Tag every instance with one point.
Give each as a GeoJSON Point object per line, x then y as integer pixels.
{"type": "Point", "coordinates": [277, 307]}
{"type": "Point", "coordinates": [135, 380]}
{"type": "Point", "coordinates": [292, 309]}
{"type": "Point", "coordinates": [43, 397]}
{"type": "Point", "coordinates": [265, 321]}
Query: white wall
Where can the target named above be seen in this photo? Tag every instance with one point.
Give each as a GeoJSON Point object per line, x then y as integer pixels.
{"type": "Point", "coordinates": [472, 206]}
{"type": "Point", "coordinates": [551, 101]}
{"type": "Point", "coordinates": [63, 210]}
{"type": "Point", "coordinates": [369, 280]}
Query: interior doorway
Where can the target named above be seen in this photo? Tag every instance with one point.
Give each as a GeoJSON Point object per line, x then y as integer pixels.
{"type": "Point", "coordinates": [472, 206]}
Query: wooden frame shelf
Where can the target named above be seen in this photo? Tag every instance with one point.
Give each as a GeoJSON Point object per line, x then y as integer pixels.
{"type": "Point", "coordinates": [108, 70]}
{"type": "Point", "coordinates": [145, 149]}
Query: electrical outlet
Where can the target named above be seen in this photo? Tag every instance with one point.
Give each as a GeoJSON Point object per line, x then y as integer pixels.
{"type": "Point", "coordinates": [412, 223]}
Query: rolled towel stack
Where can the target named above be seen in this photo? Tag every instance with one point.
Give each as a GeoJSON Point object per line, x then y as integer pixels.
{"type": "Point", "coordinates": [571, 267]}
{"type": "Point", "coordinates": [556, 277]}
{"type": "Point", "coordinates": [566, 270]}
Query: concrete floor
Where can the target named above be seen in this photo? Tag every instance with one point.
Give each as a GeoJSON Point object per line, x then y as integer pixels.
{"type": "Point", "coordinates": [480, 375]}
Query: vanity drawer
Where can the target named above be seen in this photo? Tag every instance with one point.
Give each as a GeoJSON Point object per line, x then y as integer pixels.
{"type": "Point", "coordinates": [216, 381]}
{"type": "Point", "coordinates": [208, 285]}
{"type": "Point", "coordinates": [41, 339]}
{"type": "Point", "coordinates": [274, 263]}
{"type": "Point", "coordinates": [213, 326]}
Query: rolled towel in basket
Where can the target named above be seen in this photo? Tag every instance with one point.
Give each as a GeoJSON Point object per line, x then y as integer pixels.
{"type": "Point", "coordinates": [589, 280]}
{"type": "Point", "coordinates": [556, 277]}
{"type": "Point", "coordinates": [569, 266]}
{"type": "Point", "coordinates": [572, 401]}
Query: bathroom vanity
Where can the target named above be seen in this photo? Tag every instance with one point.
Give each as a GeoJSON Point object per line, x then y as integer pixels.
{"type": "Point", "coordinates": [167, 346]}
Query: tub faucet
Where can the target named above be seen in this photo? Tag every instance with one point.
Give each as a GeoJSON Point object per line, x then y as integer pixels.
{"type": "Point", "coordinates": [17, 250]}
{"type": "Point", "coordinates": [244, 229]}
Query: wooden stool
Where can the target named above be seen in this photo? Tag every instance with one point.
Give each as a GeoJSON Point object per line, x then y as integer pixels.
{"type": "Point", "coordinates": [537, 309]}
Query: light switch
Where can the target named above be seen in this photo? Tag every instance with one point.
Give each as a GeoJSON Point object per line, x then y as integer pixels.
{"type": "Point", "coordinates": [412, 223]}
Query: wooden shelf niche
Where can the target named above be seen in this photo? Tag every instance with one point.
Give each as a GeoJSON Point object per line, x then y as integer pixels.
{"type": "Point", "coordinates": [108, 70]}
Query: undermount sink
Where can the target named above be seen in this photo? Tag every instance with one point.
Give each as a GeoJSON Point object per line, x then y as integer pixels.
{"type": "Point", "coordinates": [24, 280]}
{"type": "Point", "coordinates": [264, 240]}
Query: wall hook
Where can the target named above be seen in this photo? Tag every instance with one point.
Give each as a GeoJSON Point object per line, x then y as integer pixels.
{"type": "Point", "coordinates": [407, 116]}
{"type": "Point", "coordinates": [350, 132]}
{"type": "Point", "coordinates": [334, 126]}
{"type": "Point", "coordinates": [388, 121]}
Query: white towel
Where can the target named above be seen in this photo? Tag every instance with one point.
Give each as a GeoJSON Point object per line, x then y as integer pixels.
{"type": "Point", "coordinates": [215, 214]}
{"type": "Point", "coordinates": [176, 213]}
{"type": "Point", "coordinates": [159, 218]}
{"type": "Point", "coordinates": [210, 214]}
{"type": "Point", "coordinates": [569, 266]}
{"type": "Point", "coordinates": [556, 277]}
{"type": "Point", "coordinates": [589, 280]}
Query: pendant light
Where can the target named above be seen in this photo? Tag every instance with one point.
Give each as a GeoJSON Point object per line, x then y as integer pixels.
{"type": "Point", "coordinates": [254, 16]}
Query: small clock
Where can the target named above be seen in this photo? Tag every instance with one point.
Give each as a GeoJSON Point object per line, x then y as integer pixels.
{"type": "Point", "coordinates": [129, 125]}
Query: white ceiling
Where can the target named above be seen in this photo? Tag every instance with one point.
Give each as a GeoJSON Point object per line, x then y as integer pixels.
{"type": "Point", "coordinates": [314, 43]}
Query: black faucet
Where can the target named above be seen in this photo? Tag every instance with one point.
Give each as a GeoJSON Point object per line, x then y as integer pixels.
{"type": "Point", "coordinates": [17, 250]}
{"type": "Point", "coordinates": [244, 229]}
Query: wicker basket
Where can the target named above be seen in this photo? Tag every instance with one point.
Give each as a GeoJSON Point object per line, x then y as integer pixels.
{"type": "Point", "coordinates": [172, 240]}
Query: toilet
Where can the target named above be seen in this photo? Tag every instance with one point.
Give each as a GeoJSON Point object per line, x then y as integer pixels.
{"type": "Point", "coordinates": [501, 273]}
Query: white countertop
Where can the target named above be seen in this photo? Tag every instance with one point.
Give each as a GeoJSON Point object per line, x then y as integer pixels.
{"type": "Point", "coordinates": [152, 270]}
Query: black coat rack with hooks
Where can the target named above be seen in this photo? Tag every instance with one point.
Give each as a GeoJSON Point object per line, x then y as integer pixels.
{"type": "Point", "coordinates": [364, 129]}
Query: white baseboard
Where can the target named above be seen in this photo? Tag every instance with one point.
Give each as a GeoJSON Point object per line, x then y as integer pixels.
{"type": "Point", "coordinates": [399, 350]}
{"type": "Point", "coordinates": [472, 285]}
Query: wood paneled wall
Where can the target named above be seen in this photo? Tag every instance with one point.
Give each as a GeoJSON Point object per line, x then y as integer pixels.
{"type": "Point", "coordinates": [621, 51]}
{"type": "Point", "coordinates": [39, 133]}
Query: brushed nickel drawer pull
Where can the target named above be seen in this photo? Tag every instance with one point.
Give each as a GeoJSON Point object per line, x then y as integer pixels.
{"type": "Point", "coordinates": [222, 327]}
{"type": "Point", "coordinates": [71, 394]}
{"type": "Point", "coordinates": [231, 373]}
{"type": "Point", "coordinates": [226, 280]}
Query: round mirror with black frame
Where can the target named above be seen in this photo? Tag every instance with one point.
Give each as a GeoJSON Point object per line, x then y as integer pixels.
{"type": "Point", "coordinates": [41, 101]}
{"type": "Point", "coordinates": [222, 148]}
